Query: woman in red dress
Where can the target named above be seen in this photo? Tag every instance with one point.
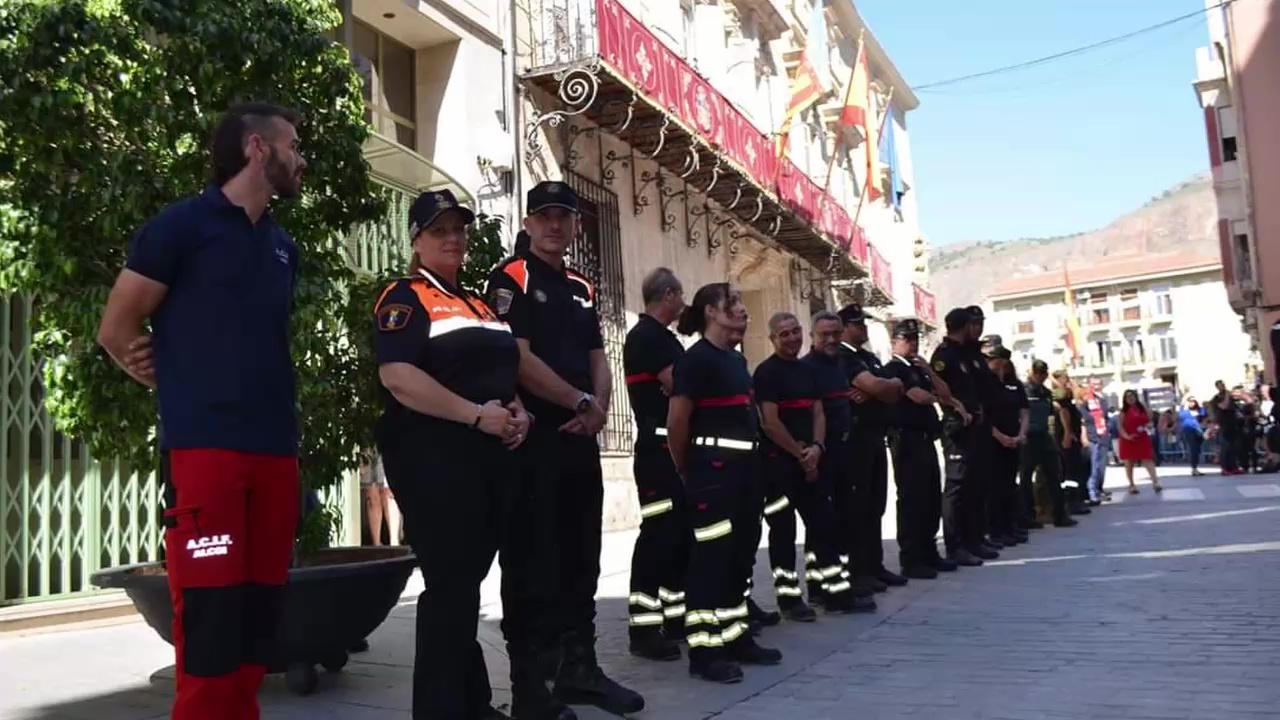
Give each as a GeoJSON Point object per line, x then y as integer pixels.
{"type": "Point", "coordinates": [1135, 440]}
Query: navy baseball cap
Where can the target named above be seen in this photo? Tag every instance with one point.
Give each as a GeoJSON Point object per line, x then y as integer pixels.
{"type": "Point", "coordinates": [428, 207]}
{"type": "Point", "coordinates": [975, 313]}
{"type": "Point", "coordinates": [852, 313]}
{"type": "Point", "coordinates": [549, 194]}
{"type": "Point", "coordinates": [908, 328]}
{"type": "Point", "coordinates": [957, 318]}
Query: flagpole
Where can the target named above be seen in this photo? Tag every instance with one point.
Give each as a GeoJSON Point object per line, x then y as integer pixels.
{"type": "Point", "coordinates": [879, 131]}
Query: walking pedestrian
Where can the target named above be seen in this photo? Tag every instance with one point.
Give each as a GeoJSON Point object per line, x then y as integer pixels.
{"type": "Point", "coordinates": [216, 275]}
{"type": "Point", "coordinates": [1135, 440]}
{"type": "Point", "coordinates": [1191, 430]}
{"type": "Point", "coordinates": [451, 421]}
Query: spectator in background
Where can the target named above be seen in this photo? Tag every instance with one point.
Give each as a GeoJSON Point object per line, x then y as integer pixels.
{"type": "Point", "coordinates": [1191, 431]}
{"type": "Point", "coordinates": [1226, 422]}
{"type": "Point", "coordinates": [1094, 409]}
{"type": "Point", "coordinates": [1135, 440]}
{"type": "Point", "coordinates": [379, 503]}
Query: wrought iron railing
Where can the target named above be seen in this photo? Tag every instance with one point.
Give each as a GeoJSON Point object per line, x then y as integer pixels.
{"type": "Point", "coordinates": [555, 32]}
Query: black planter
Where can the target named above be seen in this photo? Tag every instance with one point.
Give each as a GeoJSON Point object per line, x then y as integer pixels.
{"type": "Point", "coordinates": [336, 599]}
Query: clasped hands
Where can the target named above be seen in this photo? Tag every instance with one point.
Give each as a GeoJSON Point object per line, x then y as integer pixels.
{"type": "Point", "coordinates": [509, 422]}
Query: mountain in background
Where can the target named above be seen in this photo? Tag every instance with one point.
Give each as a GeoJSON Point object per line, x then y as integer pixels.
{"type": "Point", "coordinates": [1182, 219]}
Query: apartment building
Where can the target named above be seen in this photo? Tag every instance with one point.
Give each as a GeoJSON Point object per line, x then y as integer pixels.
{"type": "Point", "coordinates": [663, 115]}
{"type": "Point", "coordinates": [1144, 321]}
{"type": "Point", "coordinates": [1236, 88]}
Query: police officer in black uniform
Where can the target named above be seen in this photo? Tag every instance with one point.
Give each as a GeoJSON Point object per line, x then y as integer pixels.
{"type": "Point", "coordinates": [871, 411]}
{"type": "Point", "coordinates": [1009, 417]}
{"type": "Point", "coordinates": [448, 370]}
{"type": "Point", "coordinates": [794, 427]}
{"type": "Point", "coordinates": [915, 459]}
{"type": "Point", "coordinates": [983, 453]}
{"type": "Point", "coordinates": [550, 577]}
{"type": "Point", "coordinates": [712, 433]}
{"type": "Point", "coordinates": [955, 364]}
{"type": "Point", "coordinates": [660, 558]}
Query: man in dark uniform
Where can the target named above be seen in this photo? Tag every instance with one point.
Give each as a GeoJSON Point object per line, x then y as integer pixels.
{"type": "Point", "coordinates": [915, 459]}
{"type": "Point", "coordinates": [794, 427]}
{"type": "Point", "coordinates": [550, 577]}
{"type": "Point", "coordinates": [215, 276]}
{"type": "Point", "coordinates": [867, 447]}
{"type": "Point", "coordinates": [834, 467]}
{"type": "Point", "coordinates": [983, 453]}
{"type": "Point", "coordinates": [661, 553]}
{"type": "Point", "coordinates": [955, 362]}
{"type": "Point", "coordinates": [1008, 418]}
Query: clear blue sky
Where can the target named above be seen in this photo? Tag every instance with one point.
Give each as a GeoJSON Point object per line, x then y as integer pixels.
{"type": "Point", "coordinates": [1061, 148]}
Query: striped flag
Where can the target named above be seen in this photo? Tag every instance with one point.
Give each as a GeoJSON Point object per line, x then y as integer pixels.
{"type": "Point", "coordinates": [1072, 323]}
{"type": "Point", "coordinates": [859, 112]}
{"type": "Point", "coordinates": [807, 87]}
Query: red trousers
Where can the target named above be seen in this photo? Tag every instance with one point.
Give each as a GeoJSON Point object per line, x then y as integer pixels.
{"type": "Point", "coordinates": [228, 543]}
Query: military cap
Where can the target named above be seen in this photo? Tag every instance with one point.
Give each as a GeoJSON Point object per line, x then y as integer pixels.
{"type": "Point", "coordinates": [907, 328]}
{"type": "Point", "coordinates": [429, 205]}
{"type": "Point", "coordinates": [975, 313]}
{"type": "Point", "coordinates": [957, 318]}
{"type": "Point", "coordinates": [852, 313]}
{"type": "Point", "coordinates": [991, 341]}
{"type": "Point", "coordinates": [549, 194]}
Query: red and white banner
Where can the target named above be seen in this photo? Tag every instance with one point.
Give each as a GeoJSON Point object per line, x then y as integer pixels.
{"type": "Point", "coordinates": [881, 273]}
{"type": "Point", "coordinates": [926, 305]}
{"type": "Point", "coordinates": [669, 82]}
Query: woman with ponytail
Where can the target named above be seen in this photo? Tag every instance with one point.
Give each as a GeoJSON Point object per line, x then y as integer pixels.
{"type": "Point", "coordinates": [712, 432]}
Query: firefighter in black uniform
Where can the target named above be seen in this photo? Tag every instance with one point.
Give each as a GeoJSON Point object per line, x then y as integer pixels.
{"type": "Point", "coordinates": [1009, 417]}
{"type": "Point", "coordinates": [550, 574]}
{"type": "Point", "coordinates": [954, 362]}
{"type": "Point", "coordinates": [990, 393]}
{"type": "Point", "coordinates": [448, 370]}
{"type": "Point", "coordinates": [915, 459]}
{"type": "Point", "coordinates": [712, 433]}
{"type": "Point", "coordinates": [794, 427]}
{"type": "Point", "coordinates": [834, 467]}
{"type": "Point", "coordinates": [871, 467]}
{"type": "Point", "coordinates": [660, 558]}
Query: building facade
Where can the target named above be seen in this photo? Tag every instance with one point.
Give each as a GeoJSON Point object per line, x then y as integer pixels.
{"type": "Point", "coordinates": [1236, 88]}
{"type": "Point", "coordinates": [663, 113]}
{"type": "Point", "coordinates": [1144, 322]}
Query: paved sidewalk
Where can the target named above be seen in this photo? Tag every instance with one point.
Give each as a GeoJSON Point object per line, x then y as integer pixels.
{"type": "Point", "coordinates": [1161, 608]}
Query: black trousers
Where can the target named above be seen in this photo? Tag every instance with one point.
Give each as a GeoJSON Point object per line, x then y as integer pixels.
{"type": "Point", "coordinates": [725, 497]}
{"type": "Point", "coordinates": [1229, 451]}
{"type": "Point", "coordinates": [552, 567]}
{"type": "Point", "coordinates": [788, 492]}
{"type": "Point", "coordinates": [964, 501]}
{"type": "Point", "coordinates": [1042, 463]}
{"type": "Point", "coordinates": [450, 483]}
{"type": "Point", "coordinates": [661, 555]}
{"type": "Point", "coordinates": [915, 467]}
{"type": "Point", "coordinates": [870, 499]}
{"type": "Point", "coordinates": [1003, 499]}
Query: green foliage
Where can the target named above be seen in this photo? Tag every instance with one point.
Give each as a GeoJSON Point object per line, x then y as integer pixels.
{"type": "Point", "coordinates": [484, 251]}
{"type": "Point", "coordinates": [104, 109]}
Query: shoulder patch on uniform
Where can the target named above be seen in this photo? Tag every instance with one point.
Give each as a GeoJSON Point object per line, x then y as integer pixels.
{"type": "Point", "coordinates": [394, 317]}
{"type": "Point", "coordinates": [939, 366]}
{"type": "Point", "coordinates": [501, 299]}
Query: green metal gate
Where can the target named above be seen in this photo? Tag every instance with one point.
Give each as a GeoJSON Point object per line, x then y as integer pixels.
{"type": "Point", "coordinates": [65, 515]}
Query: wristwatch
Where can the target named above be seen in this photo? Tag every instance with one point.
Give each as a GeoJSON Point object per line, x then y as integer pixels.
{"type": "Point", "coordinates": [584, 403]}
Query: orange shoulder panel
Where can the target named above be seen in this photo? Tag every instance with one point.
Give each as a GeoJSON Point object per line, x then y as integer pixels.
{"type": "Point", "coordinates": [518, 270]}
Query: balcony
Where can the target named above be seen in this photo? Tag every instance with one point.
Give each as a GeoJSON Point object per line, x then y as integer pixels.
{"type": "Point", "coordinates": [592, 59]}
{"type": "Point", "coordinates": [926, 305]}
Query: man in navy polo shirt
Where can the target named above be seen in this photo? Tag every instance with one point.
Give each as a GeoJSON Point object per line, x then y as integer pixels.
{"type": "Point", "coordinates": [215, 276]}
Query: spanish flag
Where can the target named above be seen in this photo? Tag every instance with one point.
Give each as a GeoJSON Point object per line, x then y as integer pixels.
{"type": "Point", "coordinates": [860, 113]}
{"type": "Point", "coordinates": [806, 87]}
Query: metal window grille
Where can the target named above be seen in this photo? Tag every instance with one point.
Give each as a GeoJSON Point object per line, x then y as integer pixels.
{"type": "Point", "coordinates": [597, 253]}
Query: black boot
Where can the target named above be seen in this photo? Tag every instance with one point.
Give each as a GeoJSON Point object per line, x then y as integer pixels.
{"type": "Point", "coordinates": [765, 618]}
{"type": "Point", "coordinates": [714, 668]}
{"type": "Point", "coordinates": [652, 644]}
{"type": "Point", "coordinates": [796, 610]}
{"type": "Point", "coordinates": [890, 578]}
{"type": "Point", "coordinates": [964, 558]}
{"type": "Point", "coordinates": [530, 697]}
{"type": "Point", "coordinates": [745, 650]}
{"type": "Point", "coordinates": [582, 682]}
{"type": "Point", "coordinates": [849, 603]}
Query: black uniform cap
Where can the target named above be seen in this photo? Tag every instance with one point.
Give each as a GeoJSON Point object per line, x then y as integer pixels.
{"type": "Point", "coordinates": [430, 205]}
{"type": "Point", "coordinates": [907, 328]}
{"type": "Point", "coordinates": [975, 313]}
{"type": "Point", "coordinates": [548, 194]}
{"type": "Point", "coordinates": [852, 313]}
{"type": "Point", "coordinates": [1040, 366]}
{"type": "Point", "coordinates": [957, 319]}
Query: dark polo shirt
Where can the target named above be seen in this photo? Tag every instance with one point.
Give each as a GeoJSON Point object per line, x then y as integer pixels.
{"type": "Point", "coordinates": [224, 374]}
